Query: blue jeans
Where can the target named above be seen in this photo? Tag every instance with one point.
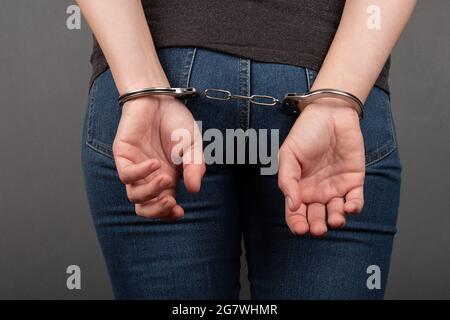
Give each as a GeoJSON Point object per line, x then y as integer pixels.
{"type": "Point", "coordinates": [198, 257]}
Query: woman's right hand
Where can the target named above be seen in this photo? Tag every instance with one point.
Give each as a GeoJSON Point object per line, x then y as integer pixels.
{"type": "Point", "coordinates": [143, 154]}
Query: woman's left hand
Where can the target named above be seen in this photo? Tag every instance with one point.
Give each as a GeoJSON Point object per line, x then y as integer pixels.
{"type": "Point", "coordinates": [322, 168]}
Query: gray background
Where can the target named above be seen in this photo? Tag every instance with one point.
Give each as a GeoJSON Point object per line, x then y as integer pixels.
{"type": "Point", "coordinates": [45, 225]}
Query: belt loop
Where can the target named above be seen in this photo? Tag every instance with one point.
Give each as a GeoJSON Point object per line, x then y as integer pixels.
{"type": "Point", "coordinates": [310, 77]}
{"type": "Point", "coordinates": [187, 68]}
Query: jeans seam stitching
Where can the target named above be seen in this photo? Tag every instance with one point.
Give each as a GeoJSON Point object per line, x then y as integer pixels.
{"type": "Point", "coordinates": [188, 78]}
{"type": "Point", "coordinates": [249, 91]}
{"type": "Point", "coordinates": [384, 151]}
{"type": "Point", "coordinates": [243, 90]}
{"type": "Point", "coordinates": [91, 141]}
{"type": "Point", "coordinates": [90, 129]}
{"type": "Point", "coordinates": [100, 149]}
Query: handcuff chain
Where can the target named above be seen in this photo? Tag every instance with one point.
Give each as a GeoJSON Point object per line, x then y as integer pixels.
{"type": "Point", "coordinates": [221, 94]}
{"type": "Point", "coordinates": [299, 100]}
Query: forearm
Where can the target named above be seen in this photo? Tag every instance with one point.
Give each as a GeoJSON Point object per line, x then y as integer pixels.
{"type": "Point", "coordinates": [122, 31]}
{"type": "Point", "coordinates": [358, 53]}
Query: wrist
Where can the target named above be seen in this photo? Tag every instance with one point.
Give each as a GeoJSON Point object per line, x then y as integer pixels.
{"type": "Point", "coordinates": [335, 105]}
{"type": "Point", "coordinates": [137, 84]}
{"type": "Point", "coordinates": [326, 97]}
{"type": "Point", "coordinates": [145, 103]}
{"type": "Point", "coordinates": [335, 108]}
{"type": "Point", "coordinates": [154, 77]}
{"type": "Point", "coordinates": [352, 91]}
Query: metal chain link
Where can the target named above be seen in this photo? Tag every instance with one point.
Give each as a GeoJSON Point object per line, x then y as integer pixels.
{"type": "Point", "coordinates": [220, 94]}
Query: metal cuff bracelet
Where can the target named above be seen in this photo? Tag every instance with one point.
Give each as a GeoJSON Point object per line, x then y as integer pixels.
{"type": "Point", "coordinates": [176, 92]}
{"type": "Point", "coordinates": [302, 100]}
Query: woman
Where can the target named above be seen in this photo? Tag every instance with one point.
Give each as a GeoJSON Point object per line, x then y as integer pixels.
{"type": "Point", "coordinates": [173, 231]}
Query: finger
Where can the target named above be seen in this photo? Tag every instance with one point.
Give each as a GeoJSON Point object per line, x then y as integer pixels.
{"type": "Point", "coordinates": [140, 193]}
{"type": "Point", "coordinates": [336, 214]}
{"type": "Point", "coordinates": [176, 214]}
{"type": "Point", "coordinates": [316, 219]}
{"type": "Point", "coordinates": [130, 172]}
{"type": "Point", "coordinates": [157, 208]}
{"type": "Point", "coordinates": [297, 221]}
{"type": "Point", "coordinates": [354, 201]}
{"type": "Point", "coordinates": [289, 175]}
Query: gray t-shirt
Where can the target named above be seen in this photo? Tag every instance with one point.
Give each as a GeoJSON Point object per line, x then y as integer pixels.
{"type": "Point", "coordinates": [292, 32]}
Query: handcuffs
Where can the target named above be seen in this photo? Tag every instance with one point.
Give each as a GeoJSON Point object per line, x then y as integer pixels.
{"type": "Point", "coordinates": [299, 100]}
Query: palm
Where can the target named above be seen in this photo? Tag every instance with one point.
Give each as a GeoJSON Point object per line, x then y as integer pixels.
{"type": "Point", "coordinates": [330, 155]}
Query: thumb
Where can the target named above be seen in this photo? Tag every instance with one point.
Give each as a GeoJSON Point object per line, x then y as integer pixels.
{"type": "Point", "coordinates": [192, 175]}
{"type": "Point", "coordinates": [289, 175]}
{"type": "Point", "coordinates": [194, 164]}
